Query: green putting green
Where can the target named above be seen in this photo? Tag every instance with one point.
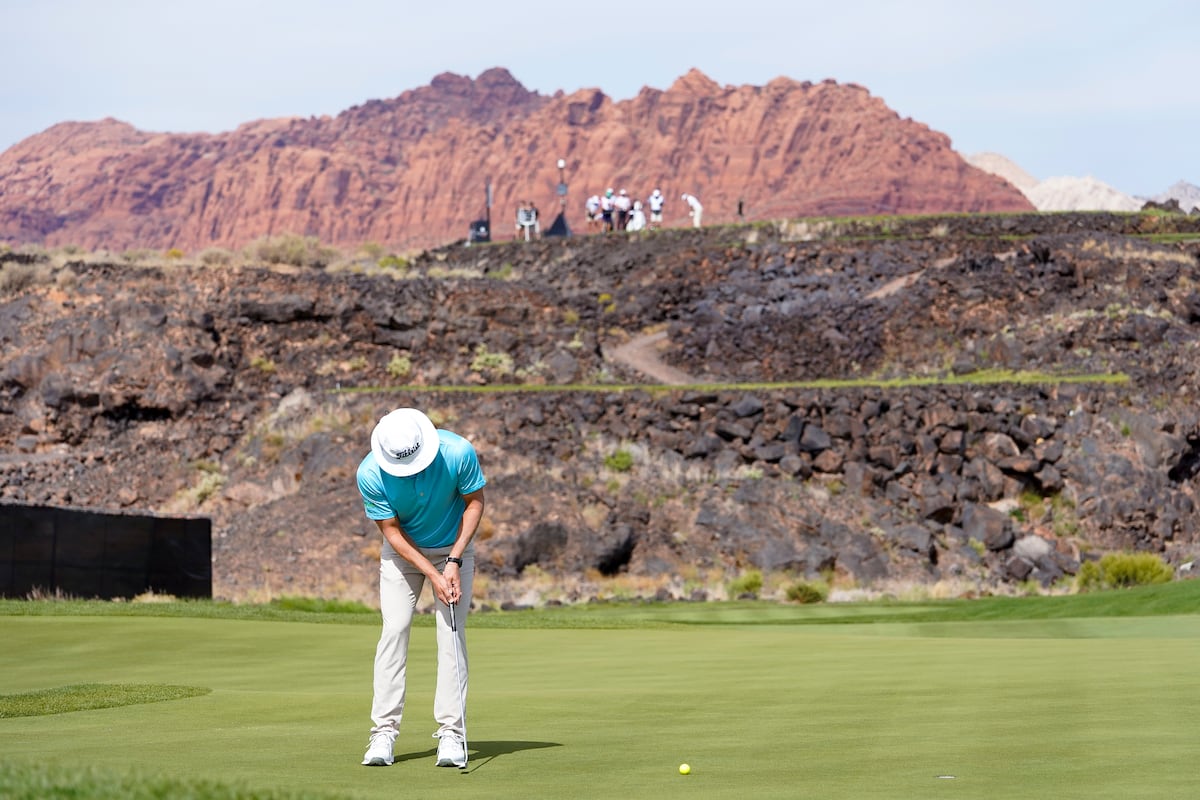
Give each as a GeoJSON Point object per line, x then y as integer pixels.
{"type": "Point", "coordinates": [758, 706]}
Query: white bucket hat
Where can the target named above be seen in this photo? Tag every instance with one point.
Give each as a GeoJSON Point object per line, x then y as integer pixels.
{"type": "Point", "coordinates": [404, 442]}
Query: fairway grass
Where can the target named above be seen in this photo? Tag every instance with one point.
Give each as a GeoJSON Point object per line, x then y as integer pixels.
{"type": "Point", "coordinates": [761, 700]}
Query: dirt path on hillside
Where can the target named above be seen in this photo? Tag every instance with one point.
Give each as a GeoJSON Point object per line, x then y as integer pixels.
{"type": "Point", "coordinates": [642, 354]}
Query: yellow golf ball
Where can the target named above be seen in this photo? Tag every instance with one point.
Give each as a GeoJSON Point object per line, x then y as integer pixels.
{"type": "Point", "coordinates": [684, 769]}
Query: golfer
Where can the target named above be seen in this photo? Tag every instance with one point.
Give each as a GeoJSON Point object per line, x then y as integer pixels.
{"type": "Point", "coordinates": [423, 487]}
{"type": "Point", "coordinates": [695, 210]}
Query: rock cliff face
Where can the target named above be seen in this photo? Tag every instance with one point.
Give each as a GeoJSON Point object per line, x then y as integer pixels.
{"type": "Point", "coordinates": [411, 171]}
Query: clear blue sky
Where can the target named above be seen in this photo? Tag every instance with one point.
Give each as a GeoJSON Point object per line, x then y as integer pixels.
{"type": "Point", "coordinates": [1062, 87]}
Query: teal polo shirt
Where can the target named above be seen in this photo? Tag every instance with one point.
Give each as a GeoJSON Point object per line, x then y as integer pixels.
{"type": "Point", "coordinates": [428, 505]}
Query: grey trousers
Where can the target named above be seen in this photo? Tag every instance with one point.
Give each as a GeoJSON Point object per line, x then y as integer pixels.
{"type": "Point", "coordinates": [400, 584]}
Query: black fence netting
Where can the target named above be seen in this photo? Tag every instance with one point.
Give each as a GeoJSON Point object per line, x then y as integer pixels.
{"type": "Point", "coordinates": [97, 554]}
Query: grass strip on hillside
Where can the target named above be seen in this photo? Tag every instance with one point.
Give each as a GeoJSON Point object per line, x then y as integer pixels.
{"type": "Point", "coordinates": [979, 378]}
{"type": "Point", "coordinates": [1168, 238]}
{"type": "Point", "coordinates": [88, 696]}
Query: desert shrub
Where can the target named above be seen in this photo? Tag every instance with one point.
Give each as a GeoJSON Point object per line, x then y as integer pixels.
{"type": "Point", "coordinates": [298, 251]}
{"type": "Point", "coordinates": [66, 279]}
{"type": "Point", "coordinates": [272, 446]}
{"type": "Point", "coordinates": [749, 582]}
{"type": "Point", "coordinates": [174, 254]}
{"type": "Point", "coordinates": [487, 361]}
{"type": "Point", "coordinates": [33, 251]}
{"type": "Point", "coordinates": [1089, 577]}
{"type": "Point", "coordinates": [1120, 570]}
{"type": "Point", "coordinates": [16, 278]}
{"type": "Point", "coordinates": [138, 255]}
{"type": "Point", "coordinates": [262, 364]}
{"type": "Point", "coordinates": [399, 366]}
{"type": "Point", "coordinates": [1064, 520]}
{"type": "Point", "coordinates": [216, 257]}
{"type": "Point", "coordinates": [393, 261]}
{"type": "Point", "coordinates": [1135, 569]}
{"type": "Point", "coordinates": [619, 460]}
{"type": "Point", "coordinates": [372, 250]}
{"type": "Point", "coordinates": [210, 482]}
{"type": "Point", "coordinates": [806, 592]}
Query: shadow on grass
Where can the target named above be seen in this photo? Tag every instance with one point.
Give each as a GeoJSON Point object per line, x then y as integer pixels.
{"type": "Point", "coordinates": [481, 753]}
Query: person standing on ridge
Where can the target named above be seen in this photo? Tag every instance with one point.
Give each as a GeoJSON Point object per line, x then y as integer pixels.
{"type": "Point", "coordinates": [423, 488]}
{"type": "Point", "coordinates": [593, 213]}
{"type": "Point", "coordinates": [696, 209]}
{"type": "Point", "coordinates": [637, 217]}
{"type": "Point", "coordinates": [655, 201]}
{"type": "Point", "coordinates": [606, 210]}
{"type": "Point", "coordinates": [623, 206]}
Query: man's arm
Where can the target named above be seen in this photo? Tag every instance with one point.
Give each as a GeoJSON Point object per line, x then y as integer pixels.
{"type": "Point", "coordinates": [404, 547]}
{"type": "Point", "coordinates": [466, 531]}
{"type": "Point", "coordinates": [446, 586]}
{"type": "Point", "coordinates": [470, 522]}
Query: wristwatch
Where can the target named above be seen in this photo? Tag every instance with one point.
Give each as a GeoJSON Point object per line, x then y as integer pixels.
{"type": "Point", "coordinates": [453, 560]}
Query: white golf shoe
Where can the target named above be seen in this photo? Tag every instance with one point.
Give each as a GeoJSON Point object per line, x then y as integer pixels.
{"type": "Point", "coordinates": [452, 750]}
{"type": "Point", "coordinates": [380, 751]}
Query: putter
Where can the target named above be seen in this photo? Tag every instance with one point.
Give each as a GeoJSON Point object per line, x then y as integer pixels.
{"type": "Point", "coordinates": [462, 700]}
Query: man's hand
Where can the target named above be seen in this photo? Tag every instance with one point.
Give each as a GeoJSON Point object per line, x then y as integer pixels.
{"type": "Point", "coordinates": [448, 586]}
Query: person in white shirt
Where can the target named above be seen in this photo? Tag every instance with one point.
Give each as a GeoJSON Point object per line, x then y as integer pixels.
{"type": "Point", "coordinates": [606, 210]}
{"type": "Point", "coordinates": [696, 209]}
{"type": "Point", "coordinates": [637, 217]}
{"type": "Point", "coordinates": [622, 204]}
{"type": "Point", "coordinates": [655, 201]}
{"type": "Point", "coordinates": [593, 212]}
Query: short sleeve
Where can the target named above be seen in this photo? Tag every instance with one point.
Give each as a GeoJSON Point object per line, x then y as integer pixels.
{"type": "Point", "coordinates": [470, 474]}
{"type": "Point", "coordinates": [370, 486]}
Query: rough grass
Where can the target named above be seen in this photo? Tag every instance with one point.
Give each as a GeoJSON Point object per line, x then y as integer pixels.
{"type": "Point", "coordinates": [59, 782]}
{"type": "Point", "coordinates": [316, 605]}
{"type": "Point", "coordinates": [1176, 597]}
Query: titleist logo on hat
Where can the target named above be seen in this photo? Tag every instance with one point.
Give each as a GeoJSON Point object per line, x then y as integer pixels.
{"type": "Point", "coordinates": [406, 452]}
{"type": "Point", "coordinates": [401, 449]}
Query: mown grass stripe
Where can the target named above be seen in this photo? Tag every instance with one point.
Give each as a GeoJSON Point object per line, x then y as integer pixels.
{"type": "Point", "coordinates": [90, 696]}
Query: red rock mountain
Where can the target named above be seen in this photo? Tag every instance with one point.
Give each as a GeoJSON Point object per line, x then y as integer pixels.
{"type": "Point", "coordinates": [411, 171]}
